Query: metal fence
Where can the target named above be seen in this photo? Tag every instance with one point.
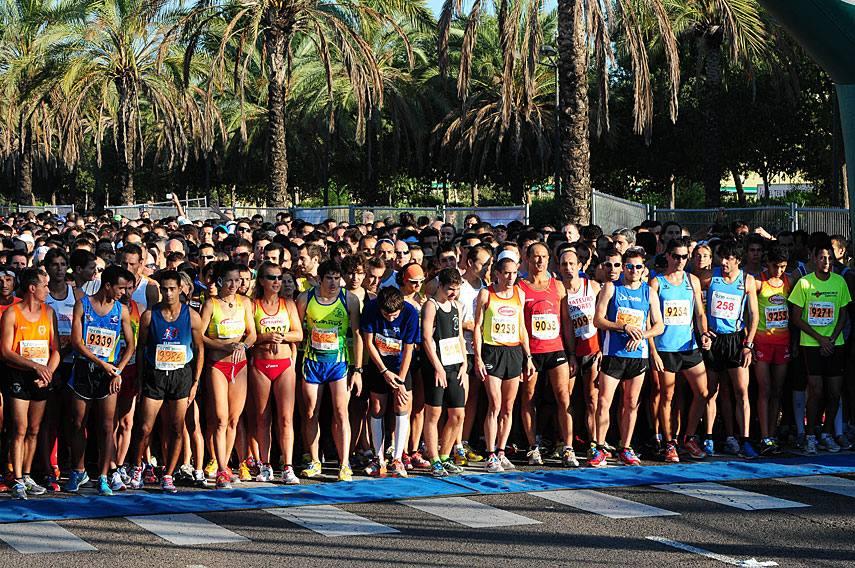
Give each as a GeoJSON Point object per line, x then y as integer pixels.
{"type": "Point", "coordinates": [611, 213]}
{"type": "Point", "coordinates": [195, 208]}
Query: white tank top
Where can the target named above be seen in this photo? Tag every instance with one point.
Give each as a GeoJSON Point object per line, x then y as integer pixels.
{"type": "Point", "coordinates": [64, 310]}
{"type": "Point", "coordinates": [139, 294]}
{"type": "Point", "coordinates": [581, 305]}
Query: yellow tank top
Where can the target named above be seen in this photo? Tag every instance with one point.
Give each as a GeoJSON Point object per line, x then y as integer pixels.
{"type": "Point", "coordinates": [326, 329]}
{"type": "Point", "coordinates": [278, 322]}
{"type": "Point", "coordinates": [502, 319]}
{"type": "Point", "coordinates": [227, 327]}
{"type": "Point", "coordinates": [32, 338]}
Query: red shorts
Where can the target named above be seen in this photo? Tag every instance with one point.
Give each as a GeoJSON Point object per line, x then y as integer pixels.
{"type": "Point", "coordinates": [229, 369]}
{"type": "Point", "coordinates": [130, 387]}
{"type": "Point", "coordinates": [271, 368]}
{"type": "Point", "coordinates": [772, 353]}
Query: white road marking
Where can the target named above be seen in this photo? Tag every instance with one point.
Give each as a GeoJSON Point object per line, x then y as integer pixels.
{"type": "Point", "coordinates": [730, 496]}
{"type": "Point", "coordinates": [603, 504]}
{"type": "Point", "coordinates": [468, 512]}
{"type": "Point", "coordinates": [186, 529]}
{"type": "Point", "coordinates": [42, 537]}
{"type": "Point", "coordinates": [750, 563]}
{"type": "Point", "coordinates": [827, 483]}
{"type": "Point", "coordinates": [330, 521]}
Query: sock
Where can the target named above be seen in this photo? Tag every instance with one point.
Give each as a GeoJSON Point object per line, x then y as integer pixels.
{"type": "Point", "coordinates": [376, 425]}
{"type": "Point", "coordinates": [435, 461]}
{"type": "Point", "coordinates": [443, 457]}
{"type": "Point", "coordinates": [799, 399]}
{"type": "Point", "coordinates": [838, 420]}
{"type": "Point", "coordinates": [402, 434]}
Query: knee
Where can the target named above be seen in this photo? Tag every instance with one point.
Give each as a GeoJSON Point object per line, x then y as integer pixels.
{"type": "Point", "coordinates": [145, 431]}
{"type": "Point", "coordinates": [126, 423]}
{"type": "Point", "coordinates": [20, 430]}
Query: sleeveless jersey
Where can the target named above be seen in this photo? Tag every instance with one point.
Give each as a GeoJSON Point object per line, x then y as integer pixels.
{"type": "Point", "coordinates": [134, 313]}
{"type": "Point", "coordinates": [678, 308]}
{"type": "Point", "coordinates": [64, 310]}
{"type": "Point", "coordinates": [327, 325]}
{"type": "Point", "coordinates": [139, 296]}
{"type": "Point", "coordinates": [501, 318]}
{"type": "Point", "coordinates": [774, 321]}
{"type": "Point", "coordinates": [581, 306]}
{"type": "Point", "coordinates": [227, 327]}
{"type": "Point", "coordinates": [278, 322]}
{"type": "Point", "coordinates": [542, 311]}
{"type": "Point", "coordinates": [32, 338]}
{"type": "Point", "coordinates": [101, 333]}
{"type": "Point", "coordinates": [627, 307]}
{"type": "Point", "coordinates": [726, 303]}
{"type": "Point", "coordinates": [170, 343]}
{"type": "Point", "coordinates": [446, 335]}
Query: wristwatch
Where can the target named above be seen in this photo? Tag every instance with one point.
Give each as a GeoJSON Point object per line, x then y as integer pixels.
{"type": "Point", "coordinates": [748, 345]}
{"type": "Point", "coordinates": [356, 370]}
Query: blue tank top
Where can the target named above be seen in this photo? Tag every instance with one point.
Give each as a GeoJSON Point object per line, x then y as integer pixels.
{"type": "Point", "coordinates": [726, 303]}
{"type": "Point", "coordinates": [170, 343]}
{"type": "Point", "coordinates": [632, 307]}
{"type": "Point", "coordinates": [101, 333]}
{"type": "Point", "coordinates": [678, 308]}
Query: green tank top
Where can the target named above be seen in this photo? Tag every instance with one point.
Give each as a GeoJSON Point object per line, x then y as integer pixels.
{"type": "Point", "coordinates": [326, 329]}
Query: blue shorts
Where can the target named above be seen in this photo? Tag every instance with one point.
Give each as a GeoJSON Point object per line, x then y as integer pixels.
{"type": "Point", "coordinates": [323, 372]}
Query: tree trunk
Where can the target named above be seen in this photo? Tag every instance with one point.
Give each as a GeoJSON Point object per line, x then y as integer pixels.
{"type": "Point", "coordinates": [474, 194]}
{"type": "Point", "coordinates": [740, 191]}
{"type": "Point", "coordinates": [838, 157]}
{"type": "Point", "coordinates": [672, 191]}
{"type": "Point", "coordinates": [767, 186]}
{"type": "Point", "coordinates": [25, 171]}
{"type": "Point", "coordinates": [125, 141]}
{"type": "Point", "coordinates": [710, 96]}
{"type": "Point", "coordinates": [277, 39]}
{"type": "Point", "coordinates": [573, 99]}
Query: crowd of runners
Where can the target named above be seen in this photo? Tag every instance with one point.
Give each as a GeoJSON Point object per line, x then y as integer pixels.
{"type": "Point", "coordinates": [170, 351]}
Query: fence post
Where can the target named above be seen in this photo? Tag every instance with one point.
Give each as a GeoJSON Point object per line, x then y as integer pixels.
{"type": "Point", "coordinates": [651, 212]}
{"type": "Point", "coordinates": [527, 216]}
{"type": "Point", "coordinates": [794, 219]}
{"type": "Point", "coordinates": [351, 215]}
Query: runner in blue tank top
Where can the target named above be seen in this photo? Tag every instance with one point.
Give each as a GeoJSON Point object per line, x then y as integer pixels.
{"type": "Point", "coordinates": [170, 339]}
{"type": "Point", "coordinates": [730, 292]}
{"type": "Point", "coordinates": [629, 315]}
{"type": "Point", "coordinates": [676, 351]}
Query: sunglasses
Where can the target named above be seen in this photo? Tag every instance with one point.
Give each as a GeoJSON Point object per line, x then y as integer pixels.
{"type": "Point", "coordinates": [402, 252]}
{"type": "Point", "coordinates": [612, 264]}
{"type": "Point", "coordinates": [208, 256]}
{"type": "Point", "coordinates": [243, 229]}
{"type": "Point", "coordinates": [679, 256]}
{"type": "Point", "coordinates": [416, 282]}
{"type": "Point", "coordinates": [634, 266]}
{"type": "Point", "coordinates": [273, 277]}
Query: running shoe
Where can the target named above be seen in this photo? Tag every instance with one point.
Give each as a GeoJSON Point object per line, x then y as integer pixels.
{"type": "Point", "coordinates": [362, 458]}
{"type": "Point", "coordinates": [54, 470]}
{"type": "Point", "coordinates": [671, 455]}
{"type": "Point", "coordinates": [460, 456]}
{"type": "Point", "coordinates": [471, 454]}
{"type": "Point", "coordinates": [694, 449]}
{"type": "Point", "coordinates": [123, 473]}
{"type": "Point", "coordinates": [827, 443]}
{"type": "Point", "coordinates": [136, 478]}
{"type": "Point", "coordinates": [224, 480]}
{"type": "Point", "coordinates": [568, 457]}
{"type": "Point", "coordinates": [254, 466]}
{"type": "Point", "coordinates": [767, 446]}
{"type": "Point", "coordinates": [627, 457]}
{"type": "Point", "coordinates": [289, 477]}
{"type": "Point", "coordinates": [596, 456]}
{"type": "Point", "coordinates": [800, 442]}
{"type": "Point", "coordinates": [233, 477]}
{"type": "Point", "coordinates": [810, 445]}
{"type": "Point", "coordinates": [731, 446]}
{"type": "Point", "coordinates": [104, 486]}
{"type": "Point", "coordinates": [244, 473]}
{"type": "Point", "coordinates": [199, 478]}
{"type": "Point", "coordinates": [265, 473]}
{"type": "Point", "coordinates": [405, 459]}
{"type": "Point", "coordinates": [452, 468]}
{"type": "Point", "coordinates": [75, 480]}
{"type": "Point", "coordinates": [51, 484]}
{"type": "Point", "coordinates": [397, 469]}
{"type": "Point", "coordinates": [312, 470]}
{"type": "Point", "coordinates": [747, 451]}
{"type": "Point", "coordinates": [211, 469]}
{"type": "Point", "coordinates": [376, 468]}
{"type": "Point", "coordinates": [33, 488]}
{"type": "Point", "coordinates": [149, 475]}
{"type": "Point", "coordinates": [437, 470]}
{"type": "Point", "coordinates": [186, 472]}
{"type": "Point", "coordinates": [843, 442]}
{"type": "Point", "coordinates": [493, 464]}
{"type": "Point", "coordinates": [534, 457]}
{"type": "Point", "coordinates": [505, 462]}
{"type": "Point", "coordinates": [167, 484]}
{"type": "Point", "coordinates": [610, 450]}
{"type": "Point", "coordinates": [419, 462]}
{"type": "Point", "coordinates": [116, 483]}
{"type": "Point", "coordinates": [709, 447]}
{"type": "Point", "coordinates": [19, 491]}
{"type": "Point", "coordinates": [345, 473]}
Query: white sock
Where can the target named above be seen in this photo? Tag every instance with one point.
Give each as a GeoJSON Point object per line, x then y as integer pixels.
{"type": "Point", "coordinates": [402, 434]}
{"type": "Point", "coordinates": [838, 420]}
{"type": "Point", "coordinates": [799, 399]}
{"type": "Point", "coordinates": [376, 425]}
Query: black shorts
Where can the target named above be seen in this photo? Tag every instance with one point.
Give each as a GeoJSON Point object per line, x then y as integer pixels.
{"type": "Point", "coordinates": [548, 361]}
{"type": "Point", "coordinates": [818, 365]}
{"type": "Point", "coordinates": [503, 362]}
{"type": "Point", "coordinates": [586, 362]}
{"type": "Point", "coordinates": [452, 396]}
{"type": "Point", "coordinates": [681, 360]}
{"type": "Point", "coordinates": [623, 368]}
{"type": "Point", "coordinates": [725, 352]}
{"type": "Point", "coordinates": [167, 385]}
{"type": "Point", "coordinates": [89, 381]}
{"type": "Point", "coordinates": [375, 382]}
{"type": "Point", "coordinates": [21, 384]}
{"type": "Point", "coordinates": [61, 376]}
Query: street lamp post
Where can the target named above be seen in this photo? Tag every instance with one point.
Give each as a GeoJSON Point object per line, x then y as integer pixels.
{"type": "Point", "coordinates": [549, 53]}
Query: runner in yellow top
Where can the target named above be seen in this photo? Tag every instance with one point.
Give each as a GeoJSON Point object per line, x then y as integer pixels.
{"type": "Point", "coordinates": [501, 355]}
{"type": "Point", "coordinates": [30, 348]}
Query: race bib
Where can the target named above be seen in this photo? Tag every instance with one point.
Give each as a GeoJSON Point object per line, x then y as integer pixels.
{"type": "Point", "coordinates": [544, 326]}
{"type": "Point", "coordinates": [630, 316]}
{"type": "Point", "coordinates": [325, 339]}
{"type": "Point", "coordinates": [820, 314]}
{"type": "Point", "coordinates": [777, 317]}
{"type": "Point", "coordinates": [231, 328]}
{"type": "Point", "coordinates": [169, 357]}
{"type": "Point", "coordinates": [581, 322]}
{"type": "Point", "coordinates": [676, 312]}
{"type": "Point", "coordinates": [505, 329]}
{"type": "Point", "coordinates": [725, 306]}
{"type": "Point", "coordinates": [388, 346]}
{"type": "Point", "coordinates": [63, 324]}
{"type": "Point", "coordinates": [273, 324]}
{"type": "Point", "coordinates": [450, 352]}
{"type": "Point", "coordinates": [100, 341]}
{"type": "Point", "coordinates": [36, 350]}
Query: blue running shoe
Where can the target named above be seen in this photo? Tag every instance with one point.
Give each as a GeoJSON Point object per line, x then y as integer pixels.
{"type": "Point", "coordinates": [104, 486]}
{"type": "Point", "coordinates": [75, 480]}
{"type": "Point", "coordinates": [709, 447]}
{"type": "Point", "coordinates": [747, 451]}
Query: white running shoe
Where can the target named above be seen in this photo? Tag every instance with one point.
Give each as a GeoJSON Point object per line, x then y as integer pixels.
{"type": "Point", "coordinates": [116, 483]}
{"type": "Point", "coordinates": [493, 465]}
{"type": "Point", "coordinates": [828, 444]}
{"type": "Point", "coordinates": [810, 445]}
{"type": "Point", "coordinates": [534, 457]}
{"type": "Point", "coordinates": [289, 477]}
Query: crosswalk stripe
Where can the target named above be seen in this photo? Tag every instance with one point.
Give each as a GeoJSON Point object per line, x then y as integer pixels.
{"type": "Point", "coordinates": [730, 496]}
{"type": "Point", "coordinates": [468, 512]}
{"type": "Point", "coordinates": [827, 483]}
{"type": "Point", "coordinates": [603, 504]}
{"type": "Point", "coordinates": [330, 521]}
{"type": "Point", "coordinates": [186, 529]}
{"type": "Point", "coordinates": [42, 537]}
